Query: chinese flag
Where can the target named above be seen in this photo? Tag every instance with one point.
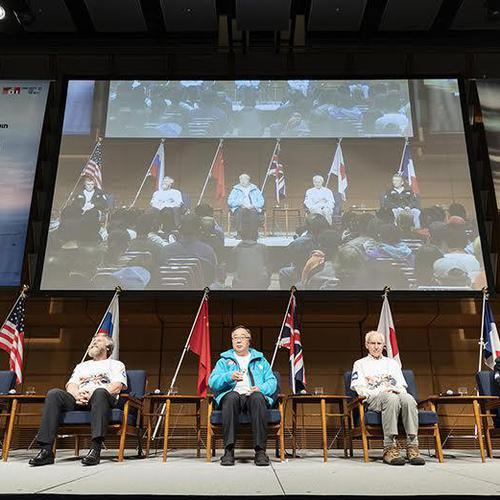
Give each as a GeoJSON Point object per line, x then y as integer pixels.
{"type": "Point", "coordinates": [218, 176]}
{"type": "Point", "coordinates": [200, 345]}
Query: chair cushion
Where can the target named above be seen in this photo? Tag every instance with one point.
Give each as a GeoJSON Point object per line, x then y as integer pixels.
{"type": "Point", "coordinates": [424, 418]}
{"type": "Point", "coordinates": [80, 417]}
{"type": "Point", "coordinates": [273, 417]}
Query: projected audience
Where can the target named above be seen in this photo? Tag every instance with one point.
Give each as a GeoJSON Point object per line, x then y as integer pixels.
{"type": "Point", "coordinates": [319, 199]}
{"type": "Point", "coordinates": [245, 201]}
{"type": "Point", "coordinates": [400, 198]}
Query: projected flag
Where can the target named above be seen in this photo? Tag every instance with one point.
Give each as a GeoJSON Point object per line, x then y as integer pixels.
{"type": "Point", "coordinates": [491, 342]}
{"type": "Point", "coordinates": [407, 169]}
{"type": "Point", "coordinates": [277, 169]}
{"type": "Point", "coordinates": [93, 168]}
{"type": "Point", "coordinates": [157, 167]}
{"type": "Point", "coordinates": [338, 168]}
{"type": "Point", "coordinates": [12, 337]}
{"type": "Point", "coordinates": [386, 328]}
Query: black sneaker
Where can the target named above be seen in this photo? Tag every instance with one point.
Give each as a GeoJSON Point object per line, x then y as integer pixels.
{"type": "Point", "coordinates": [93, 457]}
{"type": "Point", "coordinates": [228, 457]}
{"type": "Point", "coordinates": [44, 457]}
{"type": "Point", "coordinates": [261, 458]}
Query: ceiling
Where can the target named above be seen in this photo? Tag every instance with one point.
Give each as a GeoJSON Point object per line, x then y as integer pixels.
{"type": "Point", "coordinates": [248, 22]}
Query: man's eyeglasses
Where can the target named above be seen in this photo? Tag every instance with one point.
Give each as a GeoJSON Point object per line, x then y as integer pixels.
{"type": "Point", "coordinates": [241, 338]}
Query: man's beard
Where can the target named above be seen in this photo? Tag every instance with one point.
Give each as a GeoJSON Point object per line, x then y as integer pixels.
{"type": "Point", "coordinates": [95, 351]}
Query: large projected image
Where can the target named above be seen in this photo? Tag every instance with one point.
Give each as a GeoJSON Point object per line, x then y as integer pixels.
{"type": "Point", "coordinates": [22, 109]}
{"type": "Point", "coordinates": [253, 212]}
{"type": "Point", "coordinates": [259, 108]}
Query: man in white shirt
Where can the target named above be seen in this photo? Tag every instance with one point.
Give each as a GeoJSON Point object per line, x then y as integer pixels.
{"type": "Point", "coordinates": [380, 380]}
{"type": "Point", "coordinates": [94, 385]}
{"type": "Point", "coordinates": [319, 199]}
{"type": "Point", "coordinates": [168, 200]}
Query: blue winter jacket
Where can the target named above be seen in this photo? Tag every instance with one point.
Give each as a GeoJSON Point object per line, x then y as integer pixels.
{"type": "Point", "coordinates": [236, 197]}
{"type": "Point", "coordinates": [220, 379]}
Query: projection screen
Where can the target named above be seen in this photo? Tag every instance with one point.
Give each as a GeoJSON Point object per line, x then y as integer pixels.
{"type": "Point", "coordinates": [263, 185]}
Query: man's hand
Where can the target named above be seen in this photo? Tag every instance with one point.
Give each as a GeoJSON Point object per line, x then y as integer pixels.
{"type": "Point", "coordinates": [83, 397]}
{"type": "Point", "coordinates": [237, 376]}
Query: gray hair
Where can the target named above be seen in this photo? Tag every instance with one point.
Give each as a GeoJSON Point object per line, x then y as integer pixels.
{"type": "Point", "coordinates": [320, 177]}
{"type": "Point", "coordinates": [244, 175]}
{"type": "Point", "coordinates": [372, 333]}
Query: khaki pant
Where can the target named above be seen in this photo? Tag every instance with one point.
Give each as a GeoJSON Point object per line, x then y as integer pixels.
{"type": "Point", "coordinates": [392, 405]}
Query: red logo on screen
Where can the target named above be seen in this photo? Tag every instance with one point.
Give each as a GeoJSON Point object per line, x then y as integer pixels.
{"type": "Point", "coordinates": [11, 90]}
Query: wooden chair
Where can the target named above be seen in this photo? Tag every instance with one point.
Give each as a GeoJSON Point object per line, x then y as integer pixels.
{"type": "Point", "coordinates": [368, 424]}
{"type": "Point", "coordinates": [487, 386]}
{"type": "Point", "coordinates": [275, 420]}
{"type": "Point", "coordinates": [125, 419]}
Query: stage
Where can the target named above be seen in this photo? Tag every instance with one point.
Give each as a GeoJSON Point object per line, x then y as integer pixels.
{"type": "Point", "coordinates": [461, 474]}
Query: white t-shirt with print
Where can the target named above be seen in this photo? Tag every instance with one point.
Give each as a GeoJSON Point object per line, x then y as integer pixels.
{"type": "Point", "coordinates": [243, 386]}
{"type": "Point", "coordinates": [371, 376]}
{"type": "Point", "coordinates": [91, 375]}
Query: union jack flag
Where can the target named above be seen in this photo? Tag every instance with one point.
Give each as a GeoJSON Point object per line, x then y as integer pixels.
{"type": "Point", "coordinates": [290, 338]}
{"type": "Point", "coordinates": [93, 167]}
{"type": "Point", "coordinates": [277, 169]}
{"type": "Point", "coordinates": [12, 337]}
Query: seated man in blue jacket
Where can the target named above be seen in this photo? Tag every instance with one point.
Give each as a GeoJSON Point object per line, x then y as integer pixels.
{"type": "Point", "coordinates": [243, 382]}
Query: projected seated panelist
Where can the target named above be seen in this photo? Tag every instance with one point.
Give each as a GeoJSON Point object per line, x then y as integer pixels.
{"type": "Point", "coordinates": [245, 201]}
{"type": "Point", "coordinates": [167, 203]}
{"type": "Point", "coordinates": [399, 198]}
{"type": "Point", "coordinates": [94, 384]}
{"type": "Point", "coordinates": [319, 199]}
{"type": "Point", "coordinates": [91, 201]}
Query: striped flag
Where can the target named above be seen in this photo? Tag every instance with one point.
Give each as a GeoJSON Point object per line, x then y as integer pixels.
{"type": "Point", "coordinates": [338, 168]}
{"type": "Point", "coordinates": [407, 169]}
{"type": "Point", "coordinates": [290, 338]}
{"type": "Point", "coordinates": [157, 167]}
{"type": "Point", "coordinates": [218, 175]}
{"type": "Point", "coordinates": [110, 326]}
{"type": "Point", "coordinates": [277, 169]}
{"type": "Point", "coordinates": [386, 328]}
{"type": "Point", "coordinates": [12, 337]}
{"type": "Point", "coordinates": [93, 168]}
{"type": "Point", "coordinates": [491, 342]}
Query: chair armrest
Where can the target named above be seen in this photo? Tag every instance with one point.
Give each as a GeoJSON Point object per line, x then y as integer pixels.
{"type": "Point", "coordinates": [133, 401]}
{"type": "Point", "coordinates": [355, 403]}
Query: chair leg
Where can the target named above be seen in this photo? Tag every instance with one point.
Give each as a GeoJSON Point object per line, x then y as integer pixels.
{"type": "Point", "coordinates": [282, 432]}
{"type": "Point", "coordinates": [438, 445]}
{"type": "Point", "coordinates": [77, 445]}
{"type": "Point", "coordinates": [54, 446]}
{"type": "Point", "coordinates": [10, 431]}
{"type": "Point", "coordinates": [123, 433]}
{"type": "Point", "coordinates": [208, 457]}
{"type": "Point", "coordinates": [139, 441]}
{"type": "Point", "coordinates": [486, 427]}
{"type": "Point", "coordinates": [148, 437]}
{"type": "Point", "coordinates": [364, 436]}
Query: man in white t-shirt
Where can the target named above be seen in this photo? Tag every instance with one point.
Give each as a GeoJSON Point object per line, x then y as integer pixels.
{"type": "Point", "coordinates": [319, 199]}
{"type": "Point", "coordinates": [94, 385]}
{"type": "Point", "coordinates": [380, 380]}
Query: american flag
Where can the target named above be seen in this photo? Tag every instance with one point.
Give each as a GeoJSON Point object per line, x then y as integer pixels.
{"type": "Point", "coordinates": [290, 338]}
{"type": "Point", "coordinates": [93, 168]}
{"type": "Point", "coordinates": [277, 169]}
{"type": "Point", "coordinates": [407, 169]}
{"type": "Point", "coordinates": [12, 337]}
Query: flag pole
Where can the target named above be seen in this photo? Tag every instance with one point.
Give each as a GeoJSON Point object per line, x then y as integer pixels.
{"type": "Point", "coordinates": [292, 292]}
{"type": "Point", "coordinates": [330, 171]}
{"type": "Point", "coordinates": [21, 293]}
{"type": "Point", "coordinates": [98, 142]}
{"type": "Point", "coordinates": [117, 293]}
{"type": "Point", "coordinates": [210, 171]}
{"type": "Point", "coordinates": [184, 351]}
{"type": "Point", "coordinates": [277, 145]}
{"type": "Point", "coordinates": [481, 339]}
{"type": "Point", "coordinates": [144, 180]}
{"type": "Point", "coordinates": [407, 141]}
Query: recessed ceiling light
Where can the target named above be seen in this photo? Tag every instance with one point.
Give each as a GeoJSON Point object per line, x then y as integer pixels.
{"type": "Point", "coordinates": [2, 13]}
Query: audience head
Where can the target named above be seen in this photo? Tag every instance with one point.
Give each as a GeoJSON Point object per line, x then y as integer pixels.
{"type": "Point", "coordinates": [455, 238]}
{"type": "Point", "coordinates": [457, 209]}
{"type": "Point", "coordinates": [316, 224]}
{"type": "Point", "coordinates": [405, 221]}
{"type": "Point", "coordinates": [204, 210]}
{"type": "Point", "coordinates": [425, 256]}
{"type": "Point", "coordinates": [390, 234]}
{"type": "Point", "coordinates": [190, 225]}
{"type": "Point", "coordinates": [328, 243]}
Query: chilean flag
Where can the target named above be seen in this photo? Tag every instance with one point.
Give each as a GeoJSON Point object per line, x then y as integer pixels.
{"type": "Point", "coordinates": [407, 169]}
{"type": "Point", "coordinates": [386, 328]}
{"type": "Point", "coordinates": [338, 168]}
{"type": "Point", "coordinates": [157, 167]}
{"type": "Point", "coordinates": [110, 325]}
{"type": "Point", "coordinates": [491, 342]}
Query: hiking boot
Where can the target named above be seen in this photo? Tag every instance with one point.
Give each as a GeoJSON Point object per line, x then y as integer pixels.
{"type": "Point", "coordinates": [228, 457]}
{"type": "Point", "coordinates": [261, 458]}
{"type": "Point", "coordinates": [93, 457]}
{"type": "Point", "coordinates": [392, 456]}
{"type": "Point", "coordinates": [413, 455]}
